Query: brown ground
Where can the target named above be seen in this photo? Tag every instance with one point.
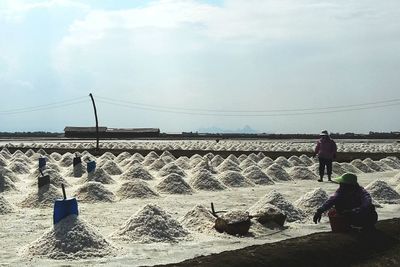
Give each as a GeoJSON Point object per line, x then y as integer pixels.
{"type": "Point", "coordinates": [379, 248]}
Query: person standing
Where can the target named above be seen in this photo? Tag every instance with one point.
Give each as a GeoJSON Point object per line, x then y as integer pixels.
{"type": "Point", "coordinates": [326, 151]}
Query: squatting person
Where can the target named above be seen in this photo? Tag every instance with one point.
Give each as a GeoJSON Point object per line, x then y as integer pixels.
{"type": "Point", "coordinates": [326, 151]}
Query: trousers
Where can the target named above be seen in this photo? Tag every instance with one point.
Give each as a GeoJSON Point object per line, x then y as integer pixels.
{"type": "Point", "coordinates": [322, 163]}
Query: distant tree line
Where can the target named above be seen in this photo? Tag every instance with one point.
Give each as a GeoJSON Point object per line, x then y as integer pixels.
{"type": "Point", "coordinates": [30, 134]}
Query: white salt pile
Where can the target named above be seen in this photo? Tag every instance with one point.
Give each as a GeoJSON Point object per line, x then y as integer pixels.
{"type": "Point", "coordinates": [30, 153]}
{"type": "Point", "coordinates": [138, 157]}
{"type": "Point", "coordinates": [151, 224]}
{"type": "Point", "coordinates": [311, 201]}
{"type": "Point", "coordinates": [283, 162]}
{"type": "Point", "coordinates": [265, 162]}
{"type": "Point", "coordinates": [374, 166]}
{"type": "Point", "coordinates": [99, 175]}
{"type": "Point", "coordinates": [42, 198]}
{"type": "Point", "coordinates": [233, 158]}
{"type": "Point", "coordinates": [306, 160]}
{"type": "Point", "coordinates": [3, 161]}
{"type": "Point", "coordinates": [337, 168]}
{"type": "Point", "coordinates": [56, 156]}
{"type": "Point", "coordinates": [6, 184]}
{"type": "Point", "coordinates": [234, 179]}
{"type": "Point", "coordinates": [204, 165]}
{"type": "Point", "coordinates": [111, 168]}
{"type": "Point", "coordinates": [136, 189]}
{"type": "Point", "coordinates": [174, 184]}
{"type": "Point", "coordinates": [8, 173]}
{"type": "Point", "coordinates": [384, 166]}
{"type": "Point", "coordinates": [55, 178]}
{"type": "Point", "coordinates": [254, 157]}
{"type": "Point", "coordinates": [217, 160]}
{"type": "Point", "coordinates": [150, 158]}
{"type": "Point", "coordinates": [167, 159]}
{"type": "Point", "coordinates": [195, 159]}
{"type": "Point", "coordinates": [302, 173]}
{"type": "Point", "coordinates": [396, 179]}
{"type": "Point", "coordinates": [19, 167]}
{"type": "Point", "coordinates": [276, 199]}
{"type": "Point", "coordinates": [123, 156]}
{"type": "Point", "coordinates": [257, 176]}
{"type": "Point", "coordinates": [391, 163]}
{"type": "Point", "coordinates": [66, 160]}
{"type": "Point", "coordinates": [382, 192]}
{"type": "Point", "coordinates": [349, 168]}
{"type": "Point", "coordinates": [5, 206]}
{"type": "Point", "coordinates": [228, 165]}
{"type": "Point", "coordinates": [71, 238]}
{"type": "Point", "coordinates": [156, 165]}
{"type": "Point", "coordinates": [296, 161]}
{"type": "Point", "coordinates": [183, 163]}
{"type": "Point", "coordinates": [171, 168]}
{"type": "Point", "coordinates": [199, 219]}
{"type": "Point", "coordinates": [204, 180]}
{"type": "Point", "coordinates": [94, 192]}
{"type": "Point", "coordinates": [247, 163]}
{"type": "Point", "coordinates": [242, 157]}
{"type": "Point", "coordinates": [136, 172]}
{"type": "Point", "coordinates": [277, 173]}
{"type": "Point", "coordinates": [361, 166]}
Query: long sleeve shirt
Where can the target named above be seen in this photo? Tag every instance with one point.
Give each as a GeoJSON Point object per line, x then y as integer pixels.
{"type": "Point", "coordinates": [357, 200]}
{"type": "Point", "coordinates": [326, 148]}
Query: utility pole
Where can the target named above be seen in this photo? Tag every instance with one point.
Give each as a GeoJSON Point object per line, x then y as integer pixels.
{"type": "Point", "coordinates": [97, 122]}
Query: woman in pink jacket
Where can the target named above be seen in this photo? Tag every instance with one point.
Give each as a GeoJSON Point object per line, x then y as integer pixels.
{"type": "Point", "coordinates": [326, 152]}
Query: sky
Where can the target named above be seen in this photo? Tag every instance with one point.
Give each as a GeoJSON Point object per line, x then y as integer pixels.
{"type": "Point", "coordinates": [278, 66]}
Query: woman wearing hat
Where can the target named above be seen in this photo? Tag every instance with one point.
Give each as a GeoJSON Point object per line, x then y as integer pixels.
{"type": "Point", "coordinates": [352, 201]}
{"type": "Point", "coordinates": [326, 151]}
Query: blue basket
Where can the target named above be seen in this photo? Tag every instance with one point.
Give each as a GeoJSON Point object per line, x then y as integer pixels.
{"type": "Point", "coordinates": [91, 166]}
{"type": "Point", "coordinates": [42, 163]}
{"type": "Point", "coordinates": [64, 208]}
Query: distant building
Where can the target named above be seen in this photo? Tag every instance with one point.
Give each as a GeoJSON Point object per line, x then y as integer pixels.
{"type": "Point", "coordinates": [104, 132]}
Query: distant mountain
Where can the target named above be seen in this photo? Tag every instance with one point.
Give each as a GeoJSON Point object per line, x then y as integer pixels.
{"type": "Point", "coordinates": [245, 130]}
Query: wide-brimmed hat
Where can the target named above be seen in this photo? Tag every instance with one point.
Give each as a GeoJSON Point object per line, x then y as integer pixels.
{"type": "Point", "coordinates": [324, 132]}
{"type": "Point", "coordinates": [347, 178]}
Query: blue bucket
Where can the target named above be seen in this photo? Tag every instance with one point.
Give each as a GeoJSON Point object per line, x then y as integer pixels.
{"type": "Point", "coordinates": [76, 161]}
{"type": "Point", "coordinates": [91, 166]}
{"type": "Point", "coordinates": [42, 163]}
{"type": "Point", "coordinates": [64, 208]}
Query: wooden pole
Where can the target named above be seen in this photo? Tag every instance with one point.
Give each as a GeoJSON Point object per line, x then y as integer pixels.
{"type": "Point", "coordinates": [97, 122]}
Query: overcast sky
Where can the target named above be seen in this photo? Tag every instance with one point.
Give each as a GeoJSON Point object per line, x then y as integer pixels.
{"type": "Point", "coordinates": [199, 57]}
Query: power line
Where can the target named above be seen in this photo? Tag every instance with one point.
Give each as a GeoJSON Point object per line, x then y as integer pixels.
{"type": "Point", "coordinates": [44, 108]}
{"type": "Point", "coordinates": [119, 104]}
{"type": "Point", "coordinates": [28, 109]}
{"type": "Point", "coordinates": [395, 101]}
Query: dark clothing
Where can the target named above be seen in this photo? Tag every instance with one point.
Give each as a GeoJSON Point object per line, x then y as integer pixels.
{"type": "Point", "coordinates": [322, 163]}
{"type": "Point", "coordinates": [326, 148]}
{"type": "Point", "coordinates": [354, 202]}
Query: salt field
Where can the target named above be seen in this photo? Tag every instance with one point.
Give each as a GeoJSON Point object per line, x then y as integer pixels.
{"type": "Point", "coordinates": [152, 209]}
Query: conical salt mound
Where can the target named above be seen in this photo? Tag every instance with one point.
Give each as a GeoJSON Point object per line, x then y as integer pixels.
{"type": "Point", "coordinates": [94, 192]}
{"type": "Point", "coordinates": [19, 167]}
{"type": "Point", "coordinates": [277, 173]}
{"type": "Point", "coordinates": [283, 162]}
{"type": "Point", "coordinates": [151, 224]}
{"type": "Point", "coordinates": [167, 159]}
{"type": "Point", "coordinates": [136, 189]}
{"type": "Point", "coordinates": [265, 162]}
{"type": "Point", "coordinates": [72, 238]}
{"type": "Point", "coordinates": [66, 160]}
{"type": "Point", "coordinates": [296, 161]}
{"type": "Point", "coordinates": [99, 175]}
{"type": "Point", "coordinates": [338, 169]}
{"type": "Point", "coordinates": [306, 160]}
{"type": "Point", "coordinates": [361, 166]}
{"type": "Point", "coordinates": [217, 160]}
{"type": "Point", "coordinates": [195, 159]}
{"type": "Point", "coordinates": [5, 153]}
{"type": "Point", "coordinates": [42, 198]}
{"type": "Point", "coordinates": [122, 156]}
{"type": "Point", "coordinates": [156, 165]}
{"type": "Point", "coordinates": [183, 163]}
{"type": "Point", "coordinates": [138, 157]}
{"type": "Point", "coordinates": [5, 206]}
{"type": "Point", "coordinates": [150, 158]}
{"type": "Point", "coordinates": [6, 184]}
{"type": "Point", "coordinates": [349, 168]}
{"type": "Point", "coordinates": [392, 162]}
{"type": "Point", "coordinates": [29, 153]}
{"type": "Point", "coordinates": [228, 165]}
{"type": "Point", "coordinates": [242, 158]}
{"type": "Point", "coordinates": [384, 166]}
{"type": "Point", "coordinates": [254, 157]}
{"type": "Point", "coordinates": [136, 172]}
{"type": "Point", "coordinates": [55, 179]}
{"type": "Point", "coordinates": [204, 165]}
{"type": "Point", "coordinates": [111, 168]}
{"type": "Point", "coordinates": [257, 176]}
{"type": "Point", "coordinates": [382, 192]}
{"type": "Point", "coordinates": [371, 164]}
{"type": "Point", "coordinates": [3, 161]}
{"type": "Point", "coordinates": [174, 184]}
{"type": "Point", "coordinates": [8, 173]}
{"type": "Point", "coordinates": [234, 179]}
{"type": "Point", "coordinates": [302, 173]}
{"type": "Point", "coordinates": [396, 179]}
{"type": "Point", "coordinates": [171, 168]}
{"type": "Point", "coordinates": [247, 163]}
{"type": "Point", "coordinates": [56, 156]}
{"type": "Point", "coordinates": [233, 158]}
{"type": "Point", "coordinates": [199, 219]}
{"type": "Point", "coordinates": [276, 199]}
{"type": "Point", "coordinates": [204, 180]}
{"type": "Point", "coordinates": [311, 201]}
